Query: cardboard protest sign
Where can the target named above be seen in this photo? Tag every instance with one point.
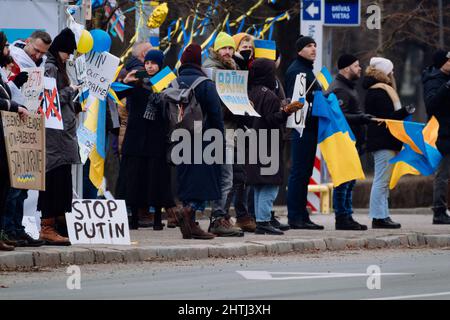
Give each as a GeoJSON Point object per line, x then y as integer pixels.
{"type": "Point", "coordinates": [50, 105]}
{"type": "Point", "coordinates": [231, 86]}
{"type": "Point", "coordinates": [98, 222]}
{"type": "Point", "coordinates": [33, 88]}
{"type": "Point", "coordinates": [25, 149]}
{"type": "Point", "coordinates": [100, 71]}
{"type": "Point", "coordinates": [297, 120]}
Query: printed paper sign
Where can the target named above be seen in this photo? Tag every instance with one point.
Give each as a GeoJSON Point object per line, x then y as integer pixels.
{"type": "Point", "coordinates": [100, 71]}
{"type": "Point", "coordinates": [51, 107]}
{"type": "Point", "coordinates": [86, 142]}
{"type": "Point", "coordinates": [25, 149]}
{"type": "Point", "coordinates": [232, 88]}
{"type": "Point", "coordinates": [33, 88]}
{"type": "Point", "coordinates": [98, 222]}
{"type": "Point", "coordinates": [29, 222]}
{"type": "Point", "coordinates": [297, 120]}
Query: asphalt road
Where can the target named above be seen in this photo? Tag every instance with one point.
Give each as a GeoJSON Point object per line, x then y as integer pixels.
{"type": "Point", "coordinates": [405, 274]}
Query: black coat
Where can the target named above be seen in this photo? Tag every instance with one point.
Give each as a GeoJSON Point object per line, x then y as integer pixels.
{"type": "Point", "coordinates": [379, 104]}
{"type": "Point", "coordinates": [350, 104]}
{"type": "Point", "coordinates": [301, 65]}
{"type": "Point", "coordinates": [437, 102]}
{"type": "Point", "coordinates": [201, 182]}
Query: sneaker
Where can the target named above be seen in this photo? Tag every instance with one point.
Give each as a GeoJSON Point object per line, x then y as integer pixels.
{"type": "Point", "coordinates": [277, 224]}
{"type": "Point", "coordinates": [267, 228]}
{"type": "Point", "coordinates": [223, 227]}
{"type": "Point", "coordinates": [247, 224]}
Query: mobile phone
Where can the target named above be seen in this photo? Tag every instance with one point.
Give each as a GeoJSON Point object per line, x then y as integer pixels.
{"type": "Point", "coordinates": [142, 74]}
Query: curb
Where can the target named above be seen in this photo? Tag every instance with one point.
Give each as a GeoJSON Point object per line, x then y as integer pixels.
{"type": "Point", "coordinates": [53, 257]}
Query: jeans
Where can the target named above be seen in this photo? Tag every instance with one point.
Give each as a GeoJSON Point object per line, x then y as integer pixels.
{"type": "Point", "coordinates": [196, 206]}
{"type": "Point", "coordinates": [342, 199]}
{"type": "Point", "coordinates": [440, 186]}
{"type": "Point", "coordinates": [14, 211]}
{"type": "Point", "coordinates": [303, 153]}
{"type": "Point", "coordinates": [219, 207]}
{"type": "Point", "coordinates": [264, 197]}
{"type": "Point", "coordinates": [379, 206]}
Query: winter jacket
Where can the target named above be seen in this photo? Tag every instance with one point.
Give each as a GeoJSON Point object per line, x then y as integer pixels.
{"type": "Point", "coordinates": [350, 104]}
{"type": "Point", "coordinates": [201, 182]}
{"type": "Point", "coordinates": [62, 145]}
{"type": "Point", "coordinates": [379, 104]}
{"type": "Point", "coordinates": [302, 65]}
{"type": "Point", "coordinates": [436, 91]}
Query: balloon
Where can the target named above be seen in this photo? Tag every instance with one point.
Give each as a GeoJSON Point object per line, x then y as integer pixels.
{"type": "Point", "coordinates": [158, 16]}
{"type": "Point", "coordinates": [85, 43]}
{"type": "Point", "coordinates": [102, 40]}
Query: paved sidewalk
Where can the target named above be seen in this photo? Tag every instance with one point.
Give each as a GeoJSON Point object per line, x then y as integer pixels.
{"type": "Point", "coordinates": [417, 231]}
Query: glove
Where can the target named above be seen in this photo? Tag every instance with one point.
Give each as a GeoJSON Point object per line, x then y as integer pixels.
{"type": "Point", "coordinates": [293, 107]}
{"type": "Point", "coordinates": [366, 118]}
{"type": "Point", "coordinates": [20, 79]}
{"type": "Point", "coordinates": [410, 108]}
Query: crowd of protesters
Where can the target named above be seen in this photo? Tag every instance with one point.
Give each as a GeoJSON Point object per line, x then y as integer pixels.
{"type": "Point", "coordinates": [145, 179]}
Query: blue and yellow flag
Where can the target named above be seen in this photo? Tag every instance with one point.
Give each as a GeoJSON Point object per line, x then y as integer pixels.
{"type": "Point", "coordinates": [98, 154]}
{"type": "Point", "coordinates": [419, 154]}
{"type": "Point", "coordinates": [324, 77]}
{"type": "Point", "coordinates": [336, 140]}
{"type": "Point", "coordinates": [265, 49]}
{"type": "Point", "coordinates": [162, 79]}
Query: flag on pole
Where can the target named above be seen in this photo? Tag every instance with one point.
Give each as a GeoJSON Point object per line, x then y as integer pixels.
{"type": "Point", "coordinates": [265, 49]}
{"type": "Point", "coordinates": [162, 79]}
{"type": "Point", "coordinates": [324, 77]}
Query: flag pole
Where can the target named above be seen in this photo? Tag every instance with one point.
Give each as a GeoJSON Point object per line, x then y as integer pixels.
{"type": "Point", "coordinates": [315, 80]}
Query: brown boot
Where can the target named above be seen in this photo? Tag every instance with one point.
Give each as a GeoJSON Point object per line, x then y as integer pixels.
{"type": "Point", "coordinates": [5, 247]}
{"type": "Point", "coordinates": [198, 233]}
{"type": "Point", "coordinates": [50, 236]}
{"type": "Point", "coordinates": [184, 216]}
{"type": "Point", "coordinates": [172, 221]}
{"type": "Point", "coordinates": [145, 219]}
{"type": "Point", "coordinates": [247, 224]}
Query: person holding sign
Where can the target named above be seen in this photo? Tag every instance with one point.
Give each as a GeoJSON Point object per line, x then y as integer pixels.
{"type": "Point", "coordinates": [62, 145]}
{"type": "Point", "coordinates": [144, 177]}
{"type": "Point", "coordinates": [6, 104]}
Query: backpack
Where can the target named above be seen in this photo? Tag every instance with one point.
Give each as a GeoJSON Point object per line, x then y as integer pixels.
{"type": "Point", "coordinates": [181, 106]}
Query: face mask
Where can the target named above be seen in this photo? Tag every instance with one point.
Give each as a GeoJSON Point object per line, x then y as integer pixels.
{"type": "Point", "coordinates": [246, 54]}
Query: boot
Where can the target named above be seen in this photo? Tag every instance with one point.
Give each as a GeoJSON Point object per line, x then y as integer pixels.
{"type": "Point", "coordinates": [172, 221]}
{"type": "Point", "coordinates": [267, 228]}
{"type": "Point", "coordinates": [61, 226]}
{"type": "Point", "coordinates": [198, 233]}
{"type": "Point", "coordinates": [50, 236]}
{"type": "Point", "coordinates": [145, 219]}
{"type": "Point", "coordinates": [385, 223]}
{"type": "Point", "coordinates": [184, 216]}
{"type": "Point", "coordinates": [247, 224]}
{"type": "Point", "coordinates": [224, 227]}
{"type": "Point", "coordinates": [5, 247]}
{"type": "Point", "coordinates": [157, 224]}
{"type": "Point", "coordinates": [11, 242]}
{"type": "Point", "coordinates": [441, 217]}
{"type": "Point", "coordinates": [347, 223]}
{"type": "Point", "coordinates": [133, 220]}
{"type": "Point", "coordinates": [277, 224]}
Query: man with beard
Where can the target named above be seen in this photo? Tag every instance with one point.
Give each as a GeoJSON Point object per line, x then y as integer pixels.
{"type": "Point", "coordinates": [344, 87]}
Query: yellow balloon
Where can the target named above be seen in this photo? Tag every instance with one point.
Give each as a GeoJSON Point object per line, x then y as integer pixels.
{"type": "Point", "coordinates": [158, 16]}
{"type": "Point", "coordinates": [86, 42]}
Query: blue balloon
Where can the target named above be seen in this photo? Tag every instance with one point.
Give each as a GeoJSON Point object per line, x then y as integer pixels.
{"type": "Point", "coordinates": [102, 40]}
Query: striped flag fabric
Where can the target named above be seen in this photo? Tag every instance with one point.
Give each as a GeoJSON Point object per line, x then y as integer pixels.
{"type": "Point", "coordinates": [324, 78]}
{"type": "Point", "coordinates": [162, 79]}
{"type": "Point", "coordinates": [265, 49]}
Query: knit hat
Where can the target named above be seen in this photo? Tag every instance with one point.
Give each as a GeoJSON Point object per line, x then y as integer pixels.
{"type": "Point", "coordinates": [156, 56]}
{"type": "Point", "coordinates": [224, 40]}
{"type": "Point", "coordinates": [440, 58]}
{"type": "Point", "coordinates": [192, 54]}
{"type": "Point", "coordinates": [64, 42]}
{"type": "Point", "coordinates": [302, 42]}
{"type": "Point", "coordinates": [346, 60]}
{"type": "Point", "coordinates": [238, 38]}
{"type": "Point", "coordinates": [382, 64]}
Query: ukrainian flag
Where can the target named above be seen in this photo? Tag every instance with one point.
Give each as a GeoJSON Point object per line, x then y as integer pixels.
{"type": "Point", "coordinates": [265, 49]}
{"type": "Point", "coordinates": [336, 140]}
{"type": "Point", "coordinates": [162, 79]}
{"type": "Point", "coordinates": [419, 154]}
{"type": "Point", "coordinates": [98, 154]}
{"type": "Point", "coordinates": [324, 77]}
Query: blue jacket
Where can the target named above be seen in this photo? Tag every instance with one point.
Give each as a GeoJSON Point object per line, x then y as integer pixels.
{"type": "Point", "coordinates": [201, 182]}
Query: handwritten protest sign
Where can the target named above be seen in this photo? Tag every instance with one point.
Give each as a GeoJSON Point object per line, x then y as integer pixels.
{"type": "Point", "coordinates": [232, 88]}
{"type": "Point", "coordinates": [100, 71]}
{"type": "Point", "coordinates": [25, 148]}
{"type": "Point", "coordinates": [33, 88]}
{"type": "Point", "coordinates": [98, 222]}
{"type": "Point", "coordinates": [297, 120]}
{"type": "Point", "coordinates": [51, 107]}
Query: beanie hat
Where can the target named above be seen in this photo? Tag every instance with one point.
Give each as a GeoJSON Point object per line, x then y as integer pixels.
{"type": "Point", "coordinates": [303, 42]}
{"type": "Point", "coordinates": [192, 54]}
{"type": "Point", "coordinates": [346, 60]}
{"type": "Point", "coordinates": [224, 40]}
{"type": "Point", "coordinates": [64, 42]}
{"type": "Point", "coordinates": [440, 58]}
{"type": "Point", "coordinates": [238, 38]}
{"type": "Point", "coordinates": [156, 56]}
{"type": "Point", "coordinates": [382, 64]}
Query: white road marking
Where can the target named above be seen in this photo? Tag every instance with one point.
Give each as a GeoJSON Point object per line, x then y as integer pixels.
{"type": "Point", "coordinates": [414, 296]}
{"type": "Point", "coordinates": [266, 275]}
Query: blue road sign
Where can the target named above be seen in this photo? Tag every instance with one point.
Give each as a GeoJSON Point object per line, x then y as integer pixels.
{"type": "Point", "coordinates": [342, 12]}
{"type": "Point", "coordinates": [311, 10]}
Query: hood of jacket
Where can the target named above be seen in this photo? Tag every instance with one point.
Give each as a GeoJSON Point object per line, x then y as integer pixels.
{"type": "Point", "coordinates": [134, 63]}
{"type": "Point", "coordinates": [262, 72]}
{"type": "Point", "coordinates": [214, 60]}
{"type": "Point", "coordinates": [432, 73]}
{"type": "Point", "coordinates": [374, 76]}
